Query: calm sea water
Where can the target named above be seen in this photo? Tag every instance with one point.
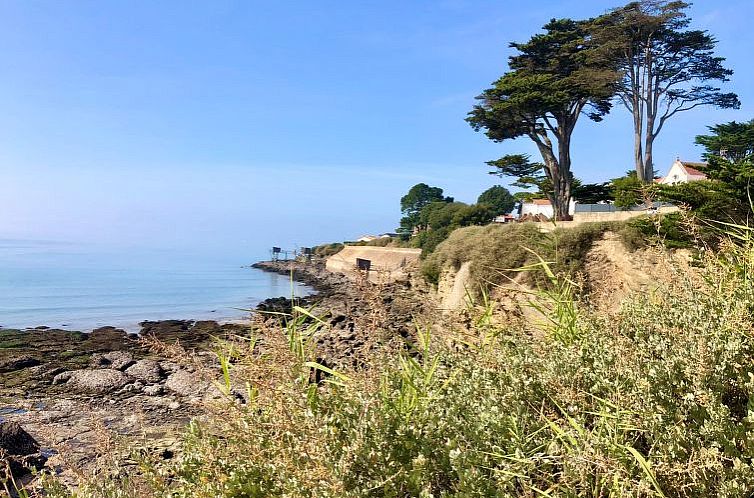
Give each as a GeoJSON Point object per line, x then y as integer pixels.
{"type": "Point", "coordinates": [81, 288]}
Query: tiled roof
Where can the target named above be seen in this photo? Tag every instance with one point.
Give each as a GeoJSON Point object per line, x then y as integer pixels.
{"type": "Point", "coordinates": [541, 202]}
{"type": "Point", "coordinates": [691, 168]}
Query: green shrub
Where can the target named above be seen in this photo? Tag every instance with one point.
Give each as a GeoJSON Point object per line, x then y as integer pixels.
{"type": "Point", "coordinates": [496, 250]}
{"type": "Point", "coordinates": [657, 400]}
{"type": "Point", "coordinates": [674, 230]}
{"type": "Point", "coordinates": [326, 250]}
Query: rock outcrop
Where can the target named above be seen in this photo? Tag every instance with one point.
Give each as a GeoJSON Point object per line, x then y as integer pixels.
{"type": "Point", "coordinates": [93, 381]}
{"type": "Point", "coordinates": [147, 371]}
{"type": "Point", "coordinates": [19, 452]}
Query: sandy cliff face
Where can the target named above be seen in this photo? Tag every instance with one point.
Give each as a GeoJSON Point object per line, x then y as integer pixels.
{"type": "Point", "coordinates": [452, 286]}
{"type": "Point", "coordinates": [613, 272]}
{"type": "Point", "coordinates": [610, 274]}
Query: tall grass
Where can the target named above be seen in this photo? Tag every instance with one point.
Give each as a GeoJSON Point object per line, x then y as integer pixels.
{"type": "Point", "coordinates": [655, 400]}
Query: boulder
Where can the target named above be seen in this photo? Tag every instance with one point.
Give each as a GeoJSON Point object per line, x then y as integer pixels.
{"type": "Point", "coordinates": [98, 381]}
{"type": "Point", "coordinates": [119, 360]}
{"type": "Point", "coordinates": [18, 450]}
{"type": "Point", "coordinates": [147, 371]}
{"type": "Point", "coordinates": [186, 383]}
{"type": "Point", "coordinates": [18, 363]}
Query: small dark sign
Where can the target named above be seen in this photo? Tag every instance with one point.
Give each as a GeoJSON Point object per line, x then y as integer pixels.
{"type": "Point", "coordinates": [363, 264]}
{"type": "Point", "coordinates": [306, 250]}
{"type": "Point", "coordinates": [276, 250]}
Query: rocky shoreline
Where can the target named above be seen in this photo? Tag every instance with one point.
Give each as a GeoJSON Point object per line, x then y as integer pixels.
{"type": "Point", "coordinates": [64, 392]}
{"type": "Point", "coordinates": [359, 315]}
{"type": "Point", "coordinates": [66, 389]}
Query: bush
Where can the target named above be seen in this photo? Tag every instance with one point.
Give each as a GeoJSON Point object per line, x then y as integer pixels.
{"type": "Point", "coordinates": [674, 230]}
{"type": "Point", "coordinates": [326, 250]}
{"type": "Point", "coordinates": [656, 400]}
{"type": "Point", "coordinates": [496, 250]}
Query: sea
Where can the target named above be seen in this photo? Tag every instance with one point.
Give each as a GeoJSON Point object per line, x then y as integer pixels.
{"type": "Point", "coordinates": [81, 287]}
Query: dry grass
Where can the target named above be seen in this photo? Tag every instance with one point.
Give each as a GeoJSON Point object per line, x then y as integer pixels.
{"type": "Point", "coordinates": [656, 400]}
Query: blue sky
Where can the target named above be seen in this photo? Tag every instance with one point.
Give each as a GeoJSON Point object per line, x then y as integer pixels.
{"type": "Point", "coordinates": [233, 126]}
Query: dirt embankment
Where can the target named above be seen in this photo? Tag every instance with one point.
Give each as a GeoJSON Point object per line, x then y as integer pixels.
{"type": "Point", "coordinates": [610, 273]}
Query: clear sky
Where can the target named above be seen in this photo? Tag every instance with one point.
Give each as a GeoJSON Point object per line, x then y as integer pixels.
{"type": "Point", "coordinates": [236, 125]}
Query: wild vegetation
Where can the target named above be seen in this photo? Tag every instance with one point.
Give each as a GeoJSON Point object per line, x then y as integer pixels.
{"type": "Point", "coordinates": [640, 55]}
{"type": "Point", "coordinates": [654, 400]}
{"type": "Point", "coordinates": [495, 252]}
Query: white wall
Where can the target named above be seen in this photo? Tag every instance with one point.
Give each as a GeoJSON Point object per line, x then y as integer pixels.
{"type": "Point", "coordinates": [546, 209]}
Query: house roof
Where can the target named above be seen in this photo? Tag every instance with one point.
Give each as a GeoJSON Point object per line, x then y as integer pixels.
{"type": "Point", "coordinates": [691, 168]}
{"type": "Point", "coordinates": [541, 202]}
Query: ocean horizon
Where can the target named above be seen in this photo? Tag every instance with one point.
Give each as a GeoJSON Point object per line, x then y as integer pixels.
{"type": "Point", "coordinates": [82, 287]}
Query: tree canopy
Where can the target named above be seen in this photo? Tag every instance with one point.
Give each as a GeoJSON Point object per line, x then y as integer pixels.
{"type": "Point", "coordinates": [418, 196]}
{"type": "Point", "coordinates": [667, 69]}
{"type": "Point", "coordinates": [498, 198]}
{"type": "Point", "coordinates": [729, 152]}
{"type": "Point", "coordinates": [551, 82]}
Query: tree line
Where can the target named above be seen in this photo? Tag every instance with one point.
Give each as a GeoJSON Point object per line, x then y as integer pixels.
{"type": "Point", "coordinates": [429, 216]}
{"type": "Point", "coordinates": [642, 57]}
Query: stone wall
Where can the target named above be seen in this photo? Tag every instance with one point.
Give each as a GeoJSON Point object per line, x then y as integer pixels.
{"type": "Point", "coordinates": [580, 218]}
{"type": "Point", "coordinates": [387, 263]}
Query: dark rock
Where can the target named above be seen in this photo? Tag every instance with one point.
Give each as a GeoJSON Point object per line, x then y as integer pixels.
{"type": "Point", "coordinates": [18, 450]}
{"type": "Point", "coordinates": [275, 305]}
{"type": "Point", "coordinates": [16, 441]}
{"type": "Point", "coordinates": [13, 364]}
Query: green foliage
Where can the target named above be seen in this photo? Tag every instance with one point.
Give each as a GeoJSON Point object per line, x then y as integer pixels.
{"type": "Point", "coordinates": [591, 193]}
{"type": "Point", "coordinates": [674, 230]}
{"type": "Point", "coordinates": [417, 198]}
{"type": "Point", "coordinates": [628, 191]}
{"type": "Point", "coordinates": [648, 41]}
{"type": "Point", "coordinates": [729, 146]}
{"type": "Point", "coordinates": [326, 250]}
{"type": "Point", "coordinates": [654, 400]}
{"type": "Point", "coordinates": [551, 82]}
{"type": "Point", "coordinates": [527, 174]}
{"type": "Point", "coordinates": [729, 152]}
{"type": "Point", "coordinates": [439, 215]}
{"type": "Point", "coordinates": [476, 214]}
{"type": "Point", "coordinates": [499, 198]}
{"type": "Point", "coordinates": [495, 251]}
{"type": "Point", "coordinates": [429, 240]}
{"type": "Point", "coordinates": [441, 218]}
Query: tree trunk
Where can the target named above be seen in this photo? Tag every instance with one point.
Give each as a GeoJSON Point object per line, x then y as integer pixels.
{"type": "Point", "coordinates": [638, 154]}
{"type": "Point", "coordinates": [562, 184]}
{"type": "Point", "coordinates": [649, 170]}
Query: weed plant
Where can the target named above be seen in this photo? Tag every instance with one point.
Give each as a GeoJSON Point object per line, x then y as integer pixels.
{"type": "Point", "coordinates": [654, 400]}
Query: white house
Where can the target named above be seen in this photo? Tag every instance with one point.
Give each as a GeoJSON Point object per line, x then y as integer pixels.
{"type": "Point", "coordinates": [370, 238]}
{"type": "Point", "coordinates": [543, 207]}
{"type": "Point", "coordinates": [367, 238]}
{"type": "Point", "coordinates": [683, 172]}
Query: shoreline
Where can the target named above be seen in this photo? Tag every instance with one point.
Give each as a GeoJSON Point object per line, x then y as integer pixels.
{"type": "Point", "coordinates": [100, 298]}
{"type": "Point", "coordinates": [55, 383]}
